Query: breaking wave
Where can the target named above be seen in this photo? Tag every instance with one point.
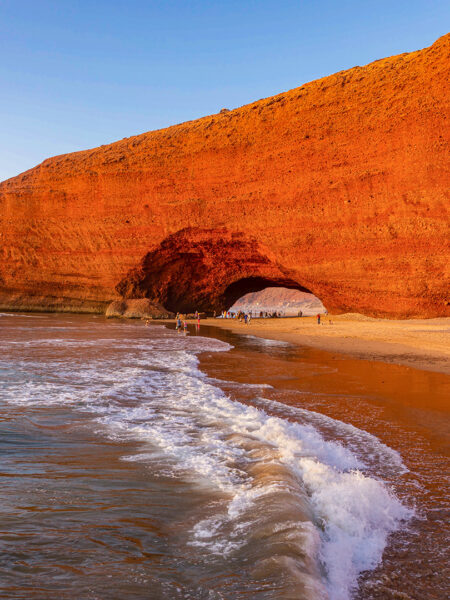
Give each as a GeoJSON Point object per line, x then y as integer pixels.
{"type": "Point", "coordinates": [283, 495]}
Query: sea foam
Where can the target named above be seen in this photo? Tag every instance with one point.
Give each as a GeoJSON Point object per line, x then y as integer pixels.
{"type": "Point", "coordinates": [276, 483]}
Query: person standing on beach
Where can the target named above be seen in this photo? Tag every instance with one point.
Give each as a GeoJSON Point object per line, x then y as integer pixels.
{"type": "Point", "coordinates": [198, 319]}
{"type": "Point", "coordinates": [178, 327]}
{"type": "Point", "coordinates": [318, 319]}
{"type": "Point", "coordinates": [185, 327]}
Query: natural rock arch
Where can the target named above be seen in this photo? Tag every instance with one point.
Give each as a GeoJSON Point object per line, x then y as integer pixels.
{"type": "Point", "coordinates": [204, 269]}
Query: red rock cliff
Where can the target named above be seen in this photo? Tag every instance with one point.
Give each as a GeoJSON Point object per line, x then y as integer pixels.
{"type": "Point", "coordinates": [339, 187]}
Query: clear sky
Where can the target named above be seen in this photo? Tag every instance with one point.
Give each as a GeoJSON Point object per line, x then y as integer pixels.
{"type": "Point", "coordinates": [76, 74]}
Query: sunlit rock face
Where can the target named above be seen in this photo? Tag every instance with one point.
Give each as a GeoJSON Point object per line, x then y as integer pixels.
{"type": "Point", "coordinates": [339, 187]}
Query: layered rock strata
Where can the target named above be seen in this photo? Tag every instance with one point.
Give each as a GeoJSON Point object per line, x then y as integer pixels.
{"type": "Point", "coordinates": [338, 187]}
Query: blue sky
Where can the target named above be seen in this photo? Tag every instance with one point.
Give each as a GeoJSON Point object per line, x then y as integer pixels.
{"type": "Point", "coordinates": [80, 73]}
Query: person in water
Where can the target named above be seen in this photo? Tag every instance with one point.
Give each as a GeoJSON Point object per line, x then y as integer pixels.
{"type": "Point", "coordinates": [185, 327]}
{"type": "Point", "coordinates": [178, 327]}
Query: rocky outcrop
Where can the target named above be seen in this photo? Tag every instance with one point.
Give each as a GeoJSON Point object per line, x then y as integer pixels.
{"type": "Point", "coordinates": [339, 187]}
{"type": "Point", "coordinates": [137, 309]}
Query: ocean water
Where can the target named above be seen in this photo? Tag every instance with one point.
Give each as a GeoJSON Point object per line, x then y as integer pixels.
{"type": "Point", "coordinates": [129, 471]}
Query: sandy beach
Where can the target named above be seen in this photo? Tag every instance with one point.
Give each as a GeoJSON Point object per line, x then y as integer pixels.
{"type": "Point", "coordinates": [418, 343]}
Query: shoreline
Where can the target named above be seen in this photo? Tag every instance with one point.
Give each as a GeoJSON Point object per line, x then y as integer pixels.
{"type": "Point", "coordinates": [422, 344]}
{"type": "Point", "coordinates": [417, 343]}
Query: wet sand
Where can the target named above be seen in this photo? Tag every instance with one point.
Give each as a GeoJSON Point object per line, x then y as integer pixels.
{"type": "Point", "coordinates": [418, 343]}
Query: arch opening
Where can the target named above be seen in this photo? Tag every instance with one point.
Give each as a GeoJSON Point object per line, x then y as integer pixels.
{"type": "Point", "coordinates": [266, 299]}
{"type": "Point", "coordinates": [251, 285]}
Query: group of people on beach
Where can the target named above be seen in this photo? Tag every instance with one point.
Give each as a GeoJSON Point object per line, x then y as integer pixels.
{"type": "Point", "coordinates": [181, 322]}
{"type": "Point", "coordinates": [242, 316]}
{"type": "Point", "coordinates": [226, 314]}
{"type": "Point", "coordinates": [182, 326]}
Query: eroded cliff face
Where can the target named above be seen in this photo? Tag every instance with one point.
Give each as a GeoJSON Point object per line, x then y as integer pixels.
{"type": "Point", "coordinates": [339, 187]}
